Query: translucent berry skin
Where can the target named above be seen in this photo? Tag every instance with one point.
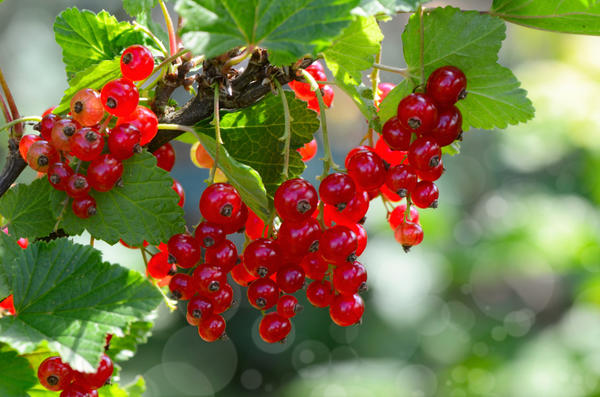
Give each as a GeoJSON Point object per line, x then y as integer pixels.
{"type": "Point", "coordinates": [191, 320]}
{"type": "Point", "coordinates": [87, 144]}
{"type": "Point", "coordinates": [104, 172]}
{"type": "Point", "coordinates": [185, 249]}
{"type": "Point", "coordinates": [200, 156]}
{"type": "Point", "coordinates": [299, 238]}
{"type": "Point", "coordinates": [314, 266]}
{"type": "Point", "coordinates": [308, 151]}
{"type": "Point", "coordinates": [241, 275]}
{"type": "Point", "coordinates": [159, 266]}
{"type": "Point", "coordinates": [124, 141]}
{"type": "Point", "coordinates": [58, 174]}
{"type": "Point", "coordinates": [181, 286]}
{"type": "Point", "coordinates": [224, 255]}
{"type": "Point", "coordinates": [25, 143]}
{"type": "Point", "coordinates": [338, 244]}
{"type": "Point", "coordinates": [349, 278]}
{"type": "Point", "coordinates": [262, 257]}
{"type": "Point", "coordinates": [263, 293]}
{"type": "Point", "coordinates": [8, 304]}
{"type": "Point", "coordinates": [327, 93]}
{"type": "Point", "coordinates": [424, 153]}
{"type": "Point", "coordinates": [288, 306]}
{"type": "Point", "coordinates": [319, 293]}
{"type": "Point", "coordinates": [144, 120]}
{"type": "Point", "coordinates": [54, 374]}
{"type": "Point", "coordinates": [200, 307]}
{"type": "Point", "coordinates": [337, 189]}
{"type": "Point", "coordinates": [388, 155]}
{"type": "Point", "coordinates": [96, 379]}
{"type": "Point", "coordinates": [395, 135]}
{"type": "Point", "coordinates": [418, 113]}
{"type": "Point", "coordinates": [61, 134]}
{"type": "Point", "coordinates": [353, 151]}
{"type": "Point", "coordinates": [165, 157]}
{"type": "Point", "coordinates": [180, 192]}
{"type": "Point", "coordinates": [449, 126]}
{"type": "Point", "coordinates": [255, 226]}
{"type": "Point", "coordinates": [119, 97]}
{"type": "Point", "coordinates": [367, 169]}
{"type": "Point", "coordinates": [238, 222]}
{"type": "Point", "coordinates": [290, 278]}
{"type": "Point", "coordinates": [425, 195]}
{"type": "Point", "coordinates": [383, 89]}
{"type": "Point", "coordinates": [361, 237]}
{"type": "Point", "coordinates": [346, 310]}
{"type": "Point", "coordinates": [208, 279]}
{"type": "Point", "coordinates": [209, 234]}
{"type": "Point", "coordinates": [295, 200]}
{"type": "Point", "coordinates": [86, 107]}
{"type": "Point", "coordinates": [432, 174]}
{"type": "Point", "coordinates": [274, 327]}
{"type": "Point", "coordinates": [301, 89]}
{"type": "Point", "coordinates": [401, 179]}
{"type": "Point", "coordinates": [219, 203]}
{"type": "Point", "coordinates": [84, 207]}
{"type": "Point", "coordinates": [40, 155]}
{"type": "Point", "coordinates": [409, 234]}
{"type": "Point", "coordinates": [447, 85]}
{"type": "Point", "coordinates": [211, 328]}
{"type": "Point", "coordinates": [77, 186]}
{"type": "Point", "coordinates": [355, 210]}
{"type": "Point", "coordinates": [398, 214]}
{"type": "Point", "coordinates": [222, 299]}
{"type": "Point", "coordinates": [47, 124]}
{"type": "Point", "coordinates": [137, 63]}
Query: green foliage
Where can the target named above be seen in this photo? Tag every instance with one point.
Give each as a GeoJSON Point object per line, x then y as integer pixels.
{"type": "Point", "coordinates": [124, 347]}
{"type": "Point", "coordinates": [387, 7]}
{"type": "Point", "coordinates": [64, 294]}
{"type": "Point", "coordinates": [17, 376]}
{"type": "Point", "coordinates": [145, 208]}
{"type": "Point", "coordinates": [582, 17]}
{"type": "Point", "coordinates": [135, 389]}
{"type": "Point", "coordinates": [9, 249]}
{"type": "Point", "coordinates": [136, 7]}
{"type": "Point", "coordinates": [288, 29]}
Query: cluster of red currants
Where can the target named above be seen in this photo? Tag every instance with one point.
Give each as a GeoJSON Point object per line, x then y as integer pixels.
{"type": "Point", "coordinates": [85, 135]}
{"type": "Point", "coordinates": [56, 375]}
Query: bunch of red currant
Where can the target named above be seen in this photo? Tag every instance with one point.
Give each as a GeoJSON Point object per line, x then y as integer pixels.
{"type": "Point", "coordinates": [56, 375]}
{"type": "Point", "coordinates": [85, 135]}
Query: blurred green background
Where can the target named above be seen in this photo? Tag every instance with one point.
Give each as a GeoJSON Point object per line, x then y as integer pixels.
{"type": "Point", "coordinates": [501, 299]}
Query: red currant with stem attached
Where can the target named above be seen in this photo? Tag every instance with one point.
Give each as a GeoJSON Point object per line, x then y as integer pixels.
{"type": "Point", "coordinates": [418, 113]}
{"type": "Point", "coordinates": [350, 278]}
{"type": "Point", "coordinates": [355, 150]}
{"type": "Point", "coordinates": [46, 124]}
{"type": "Point", "coordinates": [58, 174]}
{"type": "Point", "coordinates": [96, 380]}
{"type": "Point", "coordinates": [290, 278]}
{"type": "Point", "coordinates": [104, 172]}
{"type": "Point", "coordinates": [87, 144]}
{"type": "Point", "coordinates": [449, 126]}
{"type": "Point", "coordinates": [209, 234]}
{"type": "Point", "coordinates": [241, 275]}
{"type": "Point", "coordinates": [120, 97]}
{"type": "Point", "coordinates": [211, 328]}
{"type": "Point", "coordinates": [165, 157]}
{"type": "Point", "coordinates": [77, 186]}
{"type": "Point", "coordinates": [84, 207]}
{"type": "Point", "coordinates": [299, 238]}
{"type": "Point", "coordinates": [61, 134]}
{"type": "Point", "coordinates": [388, 155]}
{"type": "Point", "coordinates": [224, 255]}
{"type": "Point", "coordinates": [401, 179]}
{"type": "Point", "coordinates": [274, 327]}
{"type": "Point", "coordinates": [222, 299]}
{"type": "Point", "coordinates": [185, 250]}
{"type": "Point", "coordinates": [409, 234]}
{"type": "Point", "coordinates": [446, 85]}
{"type": "Point", "coordinates": [346, 310]}
{"type": "Point", "coordinates": [144, 120]}
{"type": "Point", "coordinates": [338, 244]}
{"type": "Point", "coordinates": [54, 374]}
{"type": "Point", "coordinates": [424, 153]}
{"type": "Point", "coordinates": [200, 307]}
{"type": "Point", "coordinates": [262, 257]}
{"type": "Point", "coordinates": [255, 226]}
{"type": "Point", "coordinates": [425, 195]}
{"type": "Point", "coordinates": [76, 390]}
{"type": "Point", "coordinates": [396, 217]}
{"type": "Point", "coordinates": [314, 266]}
{"type": "Point", "coordinates": [26, 142]}
{"type": "Point", "coordinates": [263, 293]}
{"type": "Point", "coordinates": [295, 200]}
{"type": "Point", "coordinates": [308, 151]}
{"type": "Point", "coordinates": [40, 155]}
{"type": "Point", "coordinates": [219, 203]}
{"type": "Point", "coordinates": [137, 63]}
{"type": "Point", "coordinates": [367, 169]}
{"type": "Point", "coordinates": [303, 90]}
{"type": "Point", "coordinates": [432, 174]}
{"type": "Point", "coordinates": [355, 210]}
{"type": "Point", "coordinates": [180, 192]}
{"type": "Point", "coordinates": [86, 107]}
{"type": "Point", "coordinates": [181, 286]}
{"type": "Point", "coordinates": [208, 278]}
{"type": "Point", "coordinates": [124, 141]}
{"type": "Point", "coordinates": [159, 266]}
{"type": "Point", "coordinates": [337, 189]}
{"type": "Point", "coordinates": [288, 306]}
{"type": "Point", "coordinates": [319, 293]}
{"type": "Point", "coordinates": [395, 135]}
{"type": "Point", "coordinates": [327, 93]}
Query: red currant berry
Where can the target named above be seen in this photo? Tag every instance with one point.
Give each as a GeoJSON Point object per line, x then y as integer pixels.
{"type": "Point", "coordinates": [255, 226]}
{"type": "Point", "coordinates": [77, 186]}
{"type": "Point", "coordinates": [104, 172]}
{"type": "Point", "coordinates": [40, 155]}
{"type": "Point", "coordinates": [54, 374]}
{"type": "Point", "coordinates": [165, 157]}
{"type": "Point", "coordinates": [159, 266]}
{"type": "Point", "coordinates": [425, 195]}
{"type": "Point", "coordinates": [383, 89]}
{"type": "Point", "coordinates": [355, 150]}
{"type": "Point", "coordinates": [137, 63]}
{"type": "Point", "coordinates": [223, 255]}
{"type": "Point", "coordinates": [308, 151]}
{"type": "Point", "coordinates": [241, 275]}
{"type": "Point", "coordinates": [354, 212]}
{"type": "Point", "coordinates": [337, 189]}
{"type": "Point", "coordinates": [290, 279]}
{"type": "Point", "coordinates": [396, 136]}
{"type": "Point", "coordinates": [46, 125]}
{"type": "Point", "coordinates": [338, 244]}
{"type": "Point", "coordinates": [432, 174]}
{"type": "Point", "coordinates": [209, 234]}
{"type": "Point", "coordinates": [367, 169]}
{"type": "Point", "coordinates": [208, 279]}
{"type": "Point", "coordinates": [124, 141]}
{"type": "Point", "coordinates": [8, 304]}
{"type": "Point", "coordinates": [418, 113]}
{"type": "Point", "coordinates": [409, 234]}
{"type": "Point", "coordinates": [25, 143]}
{"type": "Point", "coordinates": [314, 266]}
{"type": "Point", "coordinates": [388, 194]}
{"type": "Point", "coordinates": [96, 380]}
{"type": "Point", "coordinates": [222, 299]}
{"type": "Point", "coordinates": [84, 207]}
{"type": "Point", "coordinates": [76, 390]}
{"type": "Point", "coordinates": [181, 286]}
{"type": "Point", "coordinates": [397, 215]}
{"type": "Point", "coordinates": [191, 320]}
{"type": "Point", "coordinates": [86, 107]}
{"type": "Point", "coordinates": [212, 328]}
{"type": "Point", "coordinates": [447, 85]}
{"type": "Point", "coordinates": [87, 144]}
{"type": "Point", "coordinates": [288, 306]}
{"type": "Point", "coordinates": [303, 90]}
{"type": "Point", "coordinates": [263, 293]}
{"type": "Point", "coordinates": [58, 174]}
{"type": "Point", "coordinates": [61, 134]}
{"type": "Point", "coordinates": [327, 93]}
{"type": "Point", "coordinates": [361, 237]}
{"type": "Point", "coordinates": [299, 238]}
{"type": "Point", "coordinates": [388, 155]}
{"type": "Point", "coordinates": [120, 97]}
{"type": "Point", "coordinates": [295, 200]}
{"type": "Point", "coordinates": [448, 127]}
{"type": "Point", "coordinates": [262, 257]}
{"type": "Point", "coordinates": [319, 293]}
{"type": "Point", "coordinates": [424, 154]}
{"type": "Point", "coordinates": [274, 327]}
{"type": "Point", "coordinates": [23, 243]}
{"type": "Point", "coordinates": [350, 278]}
{"type": "Point", "coordinates": [200, 307]}
{"type": "Point", "coordinates": [144, 120]}
{"type": "Point", "coordinates": [346, 310]}
{"type": "Point", "coordinates": [180, 192]}
{"type": "Point", "coordinates": [185, 250]}
{"type": "Point", "coordinates": [401, 179]}
{"type": "Point", "coordinates": [238, 222]}
{"type": "Point", "coordinates": [219, 203]}
{"type": "Point", "coordinates": [200, 156]}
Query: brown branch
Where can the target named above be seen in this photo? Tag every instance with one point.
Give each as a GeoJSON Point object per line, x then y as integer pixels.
{"type": "Point", "coordinates": [13, 167]}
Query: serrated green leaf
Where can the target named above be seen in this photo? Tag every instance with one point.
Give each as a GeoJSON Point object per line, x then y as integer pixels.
{"type": "Point", "coordinates": [252, 137]}
{"type": "Point", "coordinates": [124, 347]}
{"type": "Point", "coordinates": [288, 29]}
{"type": "Point", "coordinates": [389, 106]}
{"type": "Point", "coordinates": [351, 53]}
{"type": "Point", "coordinates": [9, 249]}
{"type": "Point", "coordinates": [145, 208]}
{"type": "Point", "coordinates": [581, 17]}
{"type": "Point", "coordinates": [95, 77]}
{"type": "Point", "coordinates": [17, 376]}
{"type": "Point", "coordinates": [87, 38]}
{"type": "Point", "coordinates": [25, 208]}
{"type": "Point", "coordinates": [136, 389]}
{"type": "Point", "coordinates": [388, 7]}
{"type": "Point", "coordinates": [135, 7]}
{"type": "Point", "coordinates": [64, 294]}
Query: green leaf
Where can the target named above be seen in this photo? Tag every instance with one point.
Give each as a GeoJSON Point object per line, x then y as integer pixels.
{"type": "Point", "coordinates": [95, 77]}
{"type": "Point", "coordinates": [64, 294]}
{"type": "Point", "coordinates": [389, 106]}
{"type": "Point", "coordinates": [135, 7]}
{"type": "Point", "coordinates": [9, 249]}
{"type": "Point", "coordinates": [252, 137]}
{"type": "Point", "coordinates": [388, 7]}
{"type": "Point", "coordinates": [25, 207]}
{"type": "Point", "coordinates": [351, 53]}
{"type": "Point", "coordinates": [145, 208]}
{"type": "Point", "coordinates": [288, 29]}
{"type": "Point", "coordinates": [581, 17]}
{"type": "Point", "coordinates": [136, 389]}
{"type": "Point", "coordinates": [124, 347]}
{"type": "Point", "coordinates": [87, 38]}
{"type": "Point", "coordinates": [17, 376]}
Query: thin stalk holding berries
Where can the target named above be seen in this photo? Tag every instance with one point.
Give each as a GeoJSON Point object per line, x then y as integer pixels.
{"type": "Point", "coordinates": [287, 130]}
{"type": "Point", "coordinates": [216, 121]}
{"type": "Point", "coordinates": [12, 123]}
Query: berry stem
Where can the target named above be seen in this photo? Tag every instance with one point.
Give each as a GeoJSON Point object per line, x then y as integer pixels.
{"type": "Point", "coordinates": [155, 39]}
{"type": "Point", "coordinates": [401, 71]}
{"type": "Point", "coordinates": [219, 141]}
{"type": "Point", "coordinates": [421, 44]}
{"type": "Point", "coordinates": [62, 213]}
{"type": "Point", "coordinates": [287, 130]}
{"type": "Point", "coordinates": [240, 58]}
{"type": "Point", "coordinates": [161, 65]}
{"type": "Point", "coordinates": [170, 28]}
{"type": "Point", "coordinates": [375, 77]}
{"type": "Point", "coordinates": [407, 211]}
{"type": "Point", "coordinates": [170, 303]}
{"type": "Point", "coordinates": [20, 120]}
{"type": "Point", "coordinates": [18, 130]}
